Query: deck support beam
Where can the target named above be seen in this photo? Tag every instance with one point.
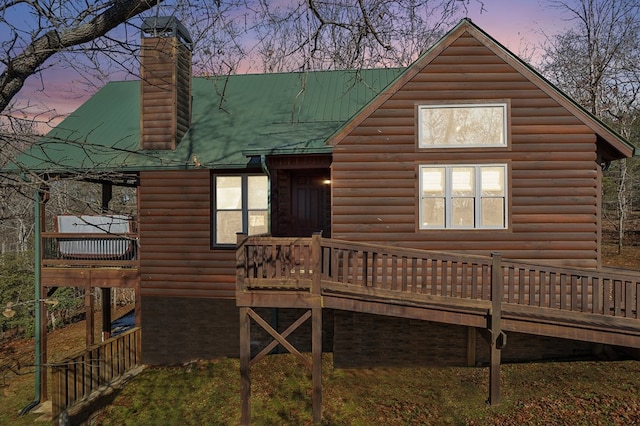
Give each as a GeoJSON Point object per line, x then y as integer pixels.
{"type": "Point", "coordinates": [246, 362]}
{"type": "Point", "coordinates": [245, 359]}
{"type": "Point", "coordinates": [106, 313]}
{"type": "Point", "coordinates": [312, 300]}
{"type": "Point", "coordinates": [498, 338]}
{"type": "Point", "coordinates": [316, 373]}
{"type": "Point", "coordinates": [88, 311]}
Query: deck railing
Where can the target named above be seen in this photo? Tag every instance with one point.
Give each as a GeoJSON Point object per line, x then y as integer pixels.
{"type": "Point", "coordinates": [89, 250]}
{"type": "Point", "coordinates": [605, 292]}
{"type": "Point", "coordinates": [75, 378]}
{"type": "Point", "coordinates": [286, 263]}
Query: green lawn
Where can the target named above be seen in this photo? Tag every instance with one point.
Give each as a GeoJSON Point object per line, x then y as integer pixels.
{"type": "Point", "coordinates": [576, 393]}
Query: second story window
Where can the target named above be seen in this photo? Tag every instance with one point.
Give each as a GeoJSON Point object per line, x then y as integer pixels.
{"type": "Point", "coordinates": [462, 126]}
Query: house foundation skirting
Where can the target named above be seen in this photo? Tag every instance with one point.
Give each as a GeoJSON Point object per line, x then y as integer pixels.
{"type": "Point", "coordinates": [179, 330]}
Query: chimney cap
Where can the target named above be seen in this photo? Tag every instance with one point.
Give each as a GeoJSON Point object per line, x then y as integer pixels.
{"type": "Point", "coordinates": [167, 26]}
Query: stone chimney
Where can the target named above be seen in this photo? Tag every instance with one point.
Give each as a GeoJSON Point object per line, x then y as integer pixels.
{"type": "Point", "coordinates": [165, 73]}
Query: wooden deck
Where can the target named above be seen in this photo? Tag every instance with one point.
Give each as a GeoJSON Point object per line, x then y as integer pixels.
{"type": "Point", "coordinates": [489, 293]}
{"type": "Point", "coordinates": [90, 260]}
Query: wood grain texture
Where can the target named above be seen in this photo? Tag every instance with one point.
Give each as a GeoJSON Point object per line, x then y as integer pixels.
{"type": "Point", "coordinates": [551, 156]}
{"type": "Point", "coordinates": [175, 233]}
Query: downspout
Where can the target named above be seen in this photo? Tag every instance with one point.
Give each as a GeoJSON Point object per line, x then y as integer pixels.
{"type": "Point", "coordinates": [274, 311]}
{"type": "Point", "coordinates": [37, 266]}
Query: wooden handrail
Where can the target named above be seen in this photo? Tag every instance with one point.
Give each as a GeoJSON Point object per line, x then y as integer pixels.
{"type": "Point", "coordinates": [89, 249]}
{"type": "Point", "coordinates": [77, 376]}
{"type": "Point", "coordinates": [90, 236]}
{"type": "Point", "coordinates": [286, 263]}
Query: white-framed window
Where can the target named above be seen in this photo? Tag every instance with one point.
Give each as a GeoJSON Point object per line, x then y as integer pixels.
{"type": "Point", "coordinates": [462, 125]}
{"type": "Point", "coordinates": [241, 204]}
{"type": "Point", "coordinates": [463, 196]}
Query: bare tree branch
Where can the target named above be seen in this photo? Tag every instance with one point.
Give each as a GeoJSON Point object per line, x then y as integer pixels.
{"type": "Point", "coordinates": [34, 56]}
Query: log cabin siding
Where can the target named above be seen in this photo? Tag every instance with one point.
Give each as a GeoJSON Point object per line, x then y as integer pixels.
{"type": "Point", "coordinates": [165, 92]}
{"type": "Point", "coordinates": [175, 236]}
{"type": "Point", "coordinates": [280, 202]}
{"type": "Point", "coordinates": [553, 173]}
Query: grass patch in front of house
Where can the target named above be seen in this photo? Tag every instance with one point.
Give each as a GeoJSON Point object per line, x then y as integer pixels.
{"type": "Point", "coordinates": [577, 393]}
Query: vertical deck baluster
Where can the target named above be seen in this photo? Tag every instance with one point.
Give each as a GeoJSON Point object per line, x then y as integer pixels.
{"type": "Point", "coordinates": [336, 260]}
{"type": "Point", "coordinates": [292, 261]}
{"type": "Point", "coordinates": [628, 300]}
{"type": "Point", "coordinates": [563, 291]}
{"type": "Point", "coordinates": [636, 285]}
{"type": "Point", "coordinates": [345, 266]}
{"type": "Point", "coordinates": [394, 272]}
{"type": "Point", "coordinates": [521, 286]}
{"type": "Point", "coordinates": [404, 274]}
{"type": "Point", "coordinates": [385, 271]}
{"type": "Point", "coordinates": [474, 281]}
{"type": "Point", "coordinates": [552, 290]}
{"type": "Point", "coordinates": [532, 287]}
{"type": "Point", "coordinates": [77, 379]}
{"type": "Point", "coordinates": [260, 258]}
{"type": "Point", "coordinates": [275, 263]}
{"type": "Point", "coordinates": [374, 269]}
{"type": "Point", "coordinates": [414, 274]}
{"type": "Point", "coordinates": [637, 299]}
{"type": "Point", "coordinates": [444, 278]}
{"type": "Point", "coordinates": [617, 297]}
{"type": "Point", "coordinates": [511, 285]}
{"type": "Point", "coordinates": [56, 390]}
{"type": "Point", "coordinates": [584, 281]}
{"type": "Point", "coordinates": [454, 279]}
{"type": "Point", "coordinates": [606, 296]}
{"type": "Point", "coordinates": [596, 298]}
{"type": "Point", "coordinates": [574, 293]}
{"type": "Point", "coordinates": [326, 262]}
{"type": "Point", "coordinates": [424, 276]}
{"type": "Point", "coordinates": [464, 289]}
{"type": "Point", "coordinates": [67, 386]}
{"type": "Point", "coordinates": [486, 281]}
{"type": "Point", "coordinates": [434, 276]}
{"type": "Point", "coordinates": [543, 288]}
{"type": "Point", "coordinates": [303, 261]}
{"type": "Point", "coordinates": [354, 266]}
{"type": "Point", "coordinates": [364, 255]}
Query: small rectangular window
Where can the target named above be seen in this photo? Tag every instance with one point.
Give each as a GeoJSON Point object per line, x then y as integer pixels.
{"type": "Point", "coordinates": [463, 197]}
{"type": "Point", "coordinates": [462, 126]}
{"type": "Point", "coordinates": [241, 204]}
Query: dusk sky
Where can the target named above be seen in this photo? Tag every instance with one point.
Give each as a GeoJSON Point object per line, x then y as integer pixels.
{"type": "Point", "coordinates": [519, 25]}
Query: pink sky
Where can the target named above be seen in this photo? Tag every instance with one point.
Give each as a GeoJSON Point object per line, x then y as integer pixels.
{"type": "Point", "coordinates": [518, 24]}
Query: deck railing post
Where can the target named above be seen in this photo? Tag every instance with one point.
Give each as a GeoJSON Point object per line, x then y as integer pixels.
{"type": "Point", "coordinates": [316, 374]}
{"type": "Point", "coordinates": [245, 359]}
{"type": "Point", "coordinates": [497, 336]}
{"type": "Point", "coordinates": [241, 261]}
{"type": "Point", "coordinates": [316, 261]}
{"type": "Point", "coordinates": [316, 324]}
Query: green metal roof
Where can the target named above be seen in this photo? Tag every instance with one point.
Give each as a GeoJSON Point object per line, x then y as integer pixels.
{"type": "Point", "coordinates": [233, 117]}
{"type": "Point", "coordinates": [239, 116]}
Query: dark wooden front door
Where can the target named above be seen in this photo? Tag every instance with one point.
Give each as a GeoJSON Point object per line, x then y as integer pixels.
{"type": "Point", "coordinates": [310, 203]}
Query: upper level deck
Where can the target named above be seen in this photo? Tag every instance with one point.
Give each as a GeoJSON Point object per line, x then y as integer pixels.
{"type": "Point", "coordinates": [95, 254]}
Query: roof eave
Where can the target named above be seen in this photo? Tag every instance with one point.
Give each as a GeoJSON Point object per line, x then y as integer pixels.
{"type": "Point", "coordinates": [396, 84]}
{"type": "Point", "coordinates": [624, 148]}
